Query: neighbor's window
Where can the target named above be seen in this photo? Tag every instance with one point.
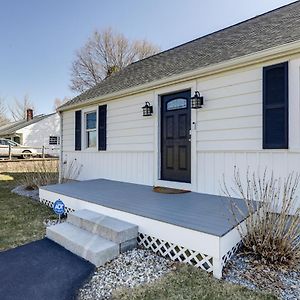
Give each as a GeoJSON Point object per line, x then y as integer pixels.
{"type": "Point", "coordinates": [54, 140]}
{"type": "Point", "coordinates": [17, 139]}
{"type": "Point", "coordinates": [91, 129]}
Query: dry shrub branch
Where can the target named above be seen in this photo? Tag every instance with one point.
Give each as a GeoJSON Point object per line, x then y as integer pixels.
{"type": "Point", "coordinates": [272, 229]}
{"type": "Point", "coordinates": [39, 173]}
{"type": "Point", "coordinates": [46, 172]}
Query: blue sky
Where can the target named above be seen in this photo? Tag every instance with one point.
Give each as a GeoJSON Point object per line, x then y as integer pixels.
{"type": "Point", "coordinates": [38, 38]}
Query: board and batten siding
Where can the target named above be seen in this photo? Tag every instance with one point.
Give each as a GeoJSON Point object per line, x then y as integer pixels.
{"type": "Point", "coordinates": [228, 133]}
{"type": "Point", "coordinates": [130, 137]}
{"type": "Point", "coordinates": [229, 129]}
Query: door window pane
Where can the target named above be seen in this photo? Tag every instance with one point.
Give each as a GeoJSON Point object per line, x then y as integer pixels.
{"type": "Point", "coordinates": [178, 103]}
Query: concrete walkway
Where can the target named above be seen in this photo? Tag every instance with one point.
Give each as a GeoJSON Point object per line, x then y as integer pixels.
{"type": "Point", "coordinates": [41, 270]}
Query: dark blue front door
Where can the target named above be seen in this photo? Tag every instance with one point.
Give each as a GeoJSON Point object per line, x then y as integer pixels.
{"type": "Point", "coordinates": [175, 137]}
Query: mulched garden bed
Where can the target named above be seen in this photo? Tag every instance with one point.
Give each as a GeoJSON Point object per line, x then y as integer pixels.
{"type": "Point", "coordinates": [246, 270]}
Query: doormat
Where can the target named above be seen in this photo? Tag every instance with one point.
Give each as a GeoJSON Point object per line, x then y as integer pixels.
{"type": "Point", "coordinates": [165, 190]}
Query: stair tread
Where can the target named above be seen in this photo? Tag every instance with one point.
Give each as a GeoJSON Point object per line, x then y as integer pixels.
{"type": "Point", "coordinates": [103, 220]}
{"type": "Point", "coordinates": [81, 237]}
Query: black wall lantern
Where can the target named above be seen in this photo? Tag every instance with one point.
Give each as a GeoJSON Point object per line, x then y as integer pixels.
{"type": "Point", "coordinates": [197, 101]}
{"type": "Point", "coordinates": [147, 109]}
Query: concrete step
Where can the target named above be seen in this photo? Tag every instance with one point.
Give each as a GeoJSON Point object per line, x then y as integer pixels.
{"type": "Point", "coordinates": [83, 243]}
{"type": "Point", "coordinates": [109, 228]}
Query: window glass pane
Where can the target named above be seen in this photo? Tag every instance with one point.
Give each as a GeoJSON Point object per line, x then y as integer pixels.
{"type": "Point", "coordinates": [53, 140]}
{"type": "Point", "coordinates": [17, 139]}
{"type": "Point", "coordinates": [177, 104]}
{"type": "Point", "coordinates": [275, 129]}
{"type": "Point", "coordinates": [275, 86]}
{"type": "Point", "coordinates": [91, 138]}
{"type": "Point", "coordinates": [91, 120]}
{"type": "Point", "coordinates": [11, 143]}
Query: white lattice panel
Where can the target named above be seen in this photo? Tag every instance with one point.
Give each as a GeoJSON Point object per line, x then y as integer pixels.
{"type": "Point", "coordinates": [176, 253]}
{"type": "Point", "coordinates": [230, 253]}
{"type": "Point", "coordinates": [50, 204]}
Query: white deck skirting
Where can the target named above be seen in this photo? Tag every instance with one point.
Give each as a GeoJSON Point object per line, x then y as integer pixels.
{"type": "Point", "coordinates": [206, 251]}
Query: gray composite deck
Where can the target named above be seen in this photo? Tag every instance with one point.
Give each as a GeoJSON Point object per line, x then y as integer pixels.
{"type": "Point", "coordinates": [201, 212]}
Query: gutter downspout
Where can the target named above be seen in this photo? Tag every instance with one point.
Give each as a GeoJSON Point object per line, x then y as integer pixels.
{"type": "Point", "coordinates": [61, 148]}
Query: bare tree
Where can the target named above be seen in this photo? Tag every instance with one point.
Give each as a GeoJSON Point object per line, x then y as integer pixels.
{"type": "Point", "coordinates": [3, 112]}
{"type": "Point", "coordinates": [19, 107]}
{"type": "Point", "coordinates": [58, 102]}
{"type": "Point", "coordinates": [105, 53]}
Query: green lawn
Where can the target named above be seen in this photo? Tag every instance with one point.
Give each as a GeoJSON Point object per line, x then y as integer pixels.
{"type": "Point", "coordinates": [189, 283]}
{"type": "Point", "coordinates": [21, 222]}
{"type": "Point", "coordinates": [21, 219]}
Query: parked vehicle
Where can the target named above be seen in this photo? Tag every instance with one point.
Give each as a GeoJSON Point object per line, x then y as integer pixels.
{"type": "Point", "coordinates": [17, 150]}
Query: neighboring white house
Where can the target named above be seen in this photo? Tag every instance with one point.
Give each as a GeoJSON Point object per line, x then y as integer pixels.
{"type": "Point", "coordinates": [35, 131]}
{"type": "Point", "coordinates": [249, 77]}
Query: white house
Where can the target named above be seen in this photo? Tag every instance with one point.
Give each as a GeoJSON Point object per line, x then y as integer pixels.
{"type": "Point", "coordinates": [35, 131]}
{"type": "Point", "coordinates": [249, 77]}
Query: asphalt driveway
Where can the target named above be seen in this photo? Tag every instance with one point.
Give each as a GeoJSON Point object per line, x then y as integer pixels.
{"type": "Point", "coordinates": [41, 270]}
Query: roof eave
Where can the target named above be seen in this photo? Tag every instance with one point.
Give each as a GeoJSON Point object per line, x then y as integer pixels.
{"type": "Point", "coordinates": [254, 58]}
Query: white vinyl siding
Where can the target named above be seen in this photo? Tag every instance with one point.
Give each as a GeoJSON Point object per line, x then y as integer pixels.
{"type": "Point", "coordinates": [130, 136]}
{"type": "Point", "coordinates": [231, 116]}
{"type": "Point", "coordinates": [228, 132]}
{"type": "Point", "coordinates": [37, 134]}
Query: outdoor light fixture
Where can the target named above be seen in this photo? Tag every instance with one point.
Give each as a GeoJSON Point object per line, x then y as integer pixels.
{"type": "Point", "coordinates": [147, 109]}
{"type": "Point", "coordinates": [197, 100]}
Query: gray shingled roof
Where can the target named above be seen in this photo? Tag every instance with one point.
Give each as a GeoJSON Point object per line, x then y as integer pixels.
{"type": "Point", "coordinates": [278, 27]}
{"type": "Point", "coordinates": [12, 127]}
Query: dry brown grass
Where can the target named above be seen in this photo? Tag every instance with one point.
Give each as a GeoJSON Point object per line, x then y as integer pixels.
{"type": "Point", "coordinates": [47, 172]}
{"type": "Point", "coordinates": [40, 173]}
{"type": "Point", "coordinates": [70, 170]}
{"type": "Point", "coordinates": [272, 230]}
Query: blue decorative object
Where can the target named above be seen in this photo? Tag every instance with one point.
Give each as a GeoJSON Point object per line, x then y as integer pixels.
{"type": "Point", "coordinates": [59, 207]}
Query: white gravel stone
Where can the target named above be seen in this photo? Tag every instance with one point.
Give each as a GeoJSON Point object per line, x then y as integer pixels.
{"type": "Point", "coordinates": [130, 269]}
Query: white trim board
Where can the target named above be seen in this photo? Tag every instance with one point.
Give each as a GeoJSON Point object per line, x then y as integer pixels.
{"type": "Point", "coordinates": [214, 246]}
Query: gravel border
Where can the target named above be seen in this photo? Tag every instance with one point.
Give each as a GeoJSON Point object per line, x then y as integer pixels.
{"type": "Point", "coordinates": [22, 191]}
{"type": "Point", "coordinates": [246, 271]}
{"type": "Point", "coordinates": [130, 269]}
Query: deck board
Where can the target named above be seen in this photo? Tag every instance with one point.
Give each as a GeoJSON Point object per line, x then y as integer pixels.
{"type": "Point", "coordinates": [201, 212]}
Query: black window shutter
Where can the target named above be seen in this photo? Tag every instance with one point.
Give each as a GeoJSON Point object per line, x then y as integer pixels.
{"type": "Point", "coordinates": [102, 112]}
{"type": "Point", "coordinates": [275, 106]}
{"type": "Point", "coordinates": [78, 114]}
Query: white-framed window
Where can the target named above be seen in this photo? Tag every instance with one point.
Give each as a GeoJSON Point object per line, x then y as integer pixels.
{"type": "Point", "coordinates": [91, 129]}
{"type": "Point", "coordinates": [54, 140]}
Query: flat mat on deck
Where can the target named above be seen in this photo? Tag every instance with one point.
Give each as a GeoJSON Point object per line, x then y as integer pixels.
{"type": "Point", "coordinates": [201, 212]}
{"type": "Point", "coordinates": [41, 270]}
